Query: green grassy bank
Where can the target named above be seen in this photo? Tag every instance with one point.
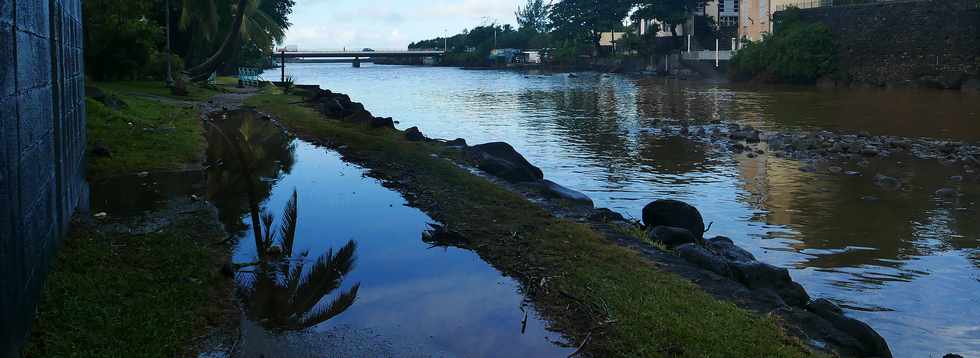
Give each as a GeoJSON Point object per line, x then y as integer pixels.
{"type": "Point", "coordinates": [114, 294]}
{"type": "Point", "coordinates": [610, 299]}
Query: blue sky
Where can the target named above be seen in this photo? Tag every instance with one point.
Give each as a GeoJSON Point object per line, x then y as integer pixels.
{"type": "Point", "coordinates": [388, 24]}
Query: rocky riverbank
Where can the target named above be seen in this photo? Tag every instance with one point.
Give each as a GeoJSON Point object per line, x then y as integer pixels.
{"type": "Point", "coordinates": [670, 236]}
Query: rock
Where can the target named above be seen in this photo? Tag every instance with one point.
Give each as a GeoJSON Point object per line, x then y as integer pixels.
{"type": "Point", "coordinates": [457, 143]}
{"type": "Point", "coordinates": [501, 160]}
{"type": "Point", "coordinates": [835, 170]}
{"type": "Point", "coordinates": [383, 122]}
{"type": "Point", "coordinates": [414, 135]}
{"type": "Point", "coordinates": [101, 215]}
{"type": "Point", "coordinates": [606, 215]}
{"type": "Point", "coordinates": [757, 275]}
{"type": "Point", "coordinates": [947, 193]}
{"type": "Point", "coordinates": [701, 257]}
{"type": "Point", "coordinates": [673, 213]}
{"type": "Point", "coordinates": [870, 151]}
{"type": "Point", "coordinates": [952, 355]}
{"type": "Point", "coordinates": [870, 343]}
{"type": "Point", "coordinates": [143, 174]}
{"type": "Point", "coordinates": [971, 85]}
{"type": "Point", "coordinates": [554, 190]}
{"type": "Point", "coordinates": [852, 173]}
{"type": "Point", "coordinates": [887, 182]}
{"type": "Point", "coordinates": [101, 151]}
{"type": "Point", "coordinates": [956, 178]}
{"type": "Point", "coordinates": [671, 236]}
{"type": "Point", "coordinates": [360, 117]}
{"type": "Point", "coordinates": [727, 249]}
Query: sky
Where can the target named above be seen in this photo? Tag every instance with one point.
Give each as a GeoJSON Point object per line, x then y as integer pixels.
{"type": "Point", "coordinates": [388, 24]}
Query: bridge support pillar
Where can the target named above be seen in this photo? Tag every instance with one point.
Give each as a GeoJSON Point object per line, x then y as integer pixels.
{"type": "Point", "coordinates": [357, 62]}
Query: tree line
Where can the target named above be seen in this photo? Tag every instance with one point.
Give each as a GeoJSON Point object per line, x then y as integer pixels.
{"type": "Point", "coordinates": [570, 27]}
{"type": "Point", "coordinates": [127, 39]}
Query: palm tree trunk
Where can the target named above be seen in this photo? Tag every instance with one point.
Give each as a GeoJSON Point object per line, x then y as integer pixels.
{"type": "Point", "coordinates": [203, 71]}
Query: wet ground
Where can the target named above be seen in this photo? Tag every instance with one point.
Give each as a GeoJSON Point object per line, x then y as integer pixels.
{"type": "Point", "coordinates": [906, 259]}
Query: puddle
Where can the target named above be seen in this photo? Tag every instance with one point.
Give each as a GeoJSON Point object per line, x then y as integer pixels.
{"type": "Point", "coordinates": [352, 276]}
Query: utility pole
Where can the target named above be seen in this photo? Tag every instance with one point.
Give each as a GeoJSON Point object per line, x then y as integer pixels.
{"type": "Point", "coordinates": [445, 38]}
{"type": "Point", "coordinates": [170, 76]}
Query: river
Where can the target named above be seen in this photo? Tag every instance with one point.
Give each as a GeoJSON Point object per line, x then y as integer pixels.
{"type": "Point", "coordinates": [907, 262]}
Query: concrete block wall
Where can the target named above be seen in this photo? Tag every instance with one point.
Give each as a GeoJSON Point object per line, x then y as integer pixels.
{"type": "Point", "coordinates": [42, 128]}
{"type": "Point", "coordinates": [916, 43]}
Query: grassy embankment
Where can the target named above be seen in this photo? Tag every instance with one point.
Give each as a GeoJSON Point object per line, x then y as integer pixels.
{"type": "Point", "coordinates": [589, 287]}
{"type": "Point", "coordinates": [122, 295]}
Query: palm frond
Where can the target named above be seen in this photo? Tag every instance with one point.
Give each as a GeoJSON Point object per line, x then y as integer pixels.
{"type": "Point", "coordinates": [336, 307]}
{"type": "Point", "coordinates": [325, 276]}
{"type": "Point", "coordinates": [287, 226]}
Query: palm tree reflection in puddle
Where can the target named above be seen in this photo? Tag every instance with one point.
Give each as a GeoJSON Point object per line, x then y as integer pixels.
{"type": "Point", "coordinates": [280, 293]}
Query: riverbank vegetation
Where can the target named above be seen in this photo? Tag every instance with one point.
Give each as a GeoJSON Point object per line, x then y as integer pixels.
{"type": "Point", "coordinates": [141, 134]}
{"type": "Point", "coordinates": [570, 31]}
{"type": "Point", "coordinates": [609, 298]}
{"type": "Point", "coordinates": [127, 39]}
{"type": "Point", "coordinates": [797, 52]}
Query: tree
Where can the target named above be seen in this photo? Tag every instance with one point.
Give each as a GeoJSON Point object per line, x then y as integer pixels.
{"type": "Point", "coordinates": [533, 17]}
{"type": "Point", "coordinates": [670, 13]}
{"type": "Point", "coordinates": [588, 19]}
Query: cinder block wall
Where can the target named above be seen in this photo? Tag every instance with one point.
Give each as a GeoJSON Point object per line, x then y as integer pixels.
{"type": "Point", "coordinates": [42, 125]}
{"type": "Point", "coordinates": [905, 43]}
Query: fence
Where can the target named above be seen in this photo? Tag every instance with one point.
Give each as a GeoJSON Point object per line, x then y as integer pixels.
{"type": "Point", "coordinates": [249, 76]}
{"type": "Point", "coordinates": [810, 4]}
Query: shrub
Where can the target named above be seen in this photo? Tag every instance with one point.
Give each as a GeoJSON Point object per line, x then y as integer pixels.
{"type": "Point", "coordinates": [797, 52]}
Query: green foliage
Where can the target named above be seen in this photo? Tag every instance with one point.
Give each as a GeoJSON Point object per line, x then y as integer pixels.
{"type": "Point", "coordinates": [119, 39]}
{"type": "Point", "coordinates": [533, 17]}
{"type": "Point", "coordinates": [796, 53]}
{"type": "Point", "coordinates": [584, 20]}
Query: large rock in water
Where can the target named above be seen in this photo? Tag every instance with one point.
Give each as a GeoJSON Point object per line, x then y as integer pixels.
{"type": "Point", "coordinates": [671, 236]}
{"type": "Point", "coordinates": [675, 214]}
{"type": "Point", "coordinates": [554, 190]}
{"type": "Point", "coordinates": [865, 339]}
{"type": "Point", "coordinates": [501, 160]}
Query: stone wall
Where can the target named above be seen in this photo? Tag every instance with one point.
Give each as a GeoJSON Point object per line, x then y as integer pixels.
{"type": "Point", "coordinates": [931, 43]}
{"type": "Point", "coordinates": [42, 123]}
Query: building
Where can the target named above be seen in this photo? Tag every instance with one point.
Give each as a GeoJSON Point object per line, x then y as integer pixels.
{"type": "Point", "coordinates": [755, 19]}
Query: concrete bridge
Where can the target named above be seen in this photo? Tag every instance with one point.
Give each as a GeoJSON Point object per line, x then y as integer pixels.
{"type": "Point", "coordinates": [356, 56]}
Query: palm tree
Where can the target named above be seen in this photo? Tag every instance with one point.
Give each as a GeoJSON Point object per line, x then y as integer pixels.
{"type": "Point", "coordinates": [262, 22]}
{"type": "Point", "coordinates": [282, 297]}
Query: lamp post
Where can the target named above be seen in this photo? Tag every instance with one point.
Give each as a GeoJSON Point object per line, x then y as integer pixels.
{"type": "Point", "coordinates": [170, 76]}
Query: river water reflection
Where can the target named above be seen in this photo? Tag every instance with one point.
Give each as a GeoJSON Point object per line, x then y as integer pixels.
{"type": "Point", "coordinates": [907, 262]}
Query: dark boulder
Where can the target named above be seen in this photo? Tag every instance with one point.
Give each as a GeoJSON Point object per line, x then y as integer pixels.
{"type": "Point", "coordinates": [383, 122]}
{"type": "Point", "coordinates": [703, 258]}
{"type": "Point", "coordinates": [887, 182]}
{"type": "Point", "coordinates": [457, 143]}
{"type": "Point", "coordinates": [671, 236]}
{"type": "Point", "coordinates": [359, 117]}
{"type": "Point", "coordinates": [101, 151]}
{"type": "Point", "coordinates": [551, 189]}
{"type": "Point", "coordinates": [870, 343]}
{"type": "Point", "coordinates": [501, 160]}
{"type": "Point", "coordinates": [673, 213]}
{"type": "Point", "coordinates": [606, 215]}
{"type": "Point", "coordinates": [414, 135]}
{"type": "Point", "coordinates": [726, 248]}
{"type": "Point", "coordinates": [757, 275]}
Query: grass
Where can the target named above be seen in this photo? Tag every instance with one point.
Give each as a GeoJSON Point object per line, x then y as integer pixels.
{"type": "Point", "coordinates": [124, 295]}
{"type": "Point", "coordinates": [593, 289]}
{"type": "Point", "coordinates": [159, 89]}
{"type": "Point", "coordinates": [147, 135]}
{"type": "Point", "coordinates": [112, 295]}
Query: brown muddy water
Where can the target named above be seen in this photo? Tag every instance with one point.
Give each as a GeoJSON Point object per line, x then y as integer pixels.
{"type": "Point", "coordinates": [905, 261]}
{"type": "Point", "coordinates": [354, 277]}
